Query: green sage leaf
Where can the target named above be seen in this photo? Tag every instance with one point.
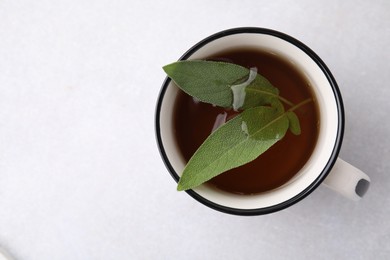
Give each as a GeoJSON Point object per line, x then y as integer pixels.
{"type": "Point", "coordinates": [295, 127]}
{"type": "Point", "coordinates": [237, 142]}
{"type": "Point", "coordinates": [222, 84]}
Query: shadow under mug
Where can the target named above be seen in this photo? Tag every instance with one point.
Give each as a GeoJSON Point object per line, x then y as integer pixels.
{"type": "Point", "coordinates": [323, 166]}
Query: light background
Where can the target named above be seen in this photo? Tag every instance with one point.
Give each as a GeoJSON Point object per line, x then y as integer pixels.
{"type": "Point", "coordinates": [80, 173]}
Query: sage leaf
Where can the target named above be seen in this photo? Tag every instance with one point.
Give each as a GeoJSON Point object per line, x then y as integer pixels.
{"type": "Point", "coordinates": [237, 142]}
{"type": "Point", "coordinates": [222, 84]}
{"type": "Point", "coordinates": [295, 127]}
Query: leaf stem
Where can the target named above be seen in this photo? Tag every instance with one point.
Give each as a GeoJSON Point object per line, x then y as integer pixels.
{"type": "Point", "coordinates": [291, 104]}
{"type": "Point", "coordinates": [304, 102]}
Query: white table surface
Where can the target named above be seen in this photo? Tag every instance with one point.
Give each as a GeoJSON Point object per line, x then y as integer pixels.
{"type": "Point", "coordinates": [80, 173]}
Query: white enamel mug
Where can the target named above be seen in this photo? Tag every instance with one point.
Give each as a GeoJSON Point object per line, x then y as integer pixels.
{"type": "Point", "coordinates": [323, 166]}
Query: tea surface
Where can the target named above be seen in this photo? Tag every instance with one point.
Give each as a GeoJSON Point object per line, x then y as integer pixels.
{"type": "Point", "coordinates": [194, 122]}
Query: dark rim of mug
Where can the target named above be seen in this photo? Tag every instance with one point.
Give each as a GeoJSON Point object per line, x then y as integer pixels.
{"type": "Point", "coordinates": [337, 145]}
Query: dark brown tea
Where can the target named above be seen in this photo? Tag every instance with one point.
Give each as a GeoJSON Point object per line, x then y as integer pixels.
{"type": "Point", "coordinates": [194, 122]}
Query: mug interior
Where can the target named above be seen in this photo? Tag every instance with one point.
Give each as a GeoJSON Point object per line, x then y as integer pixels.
{"type": "Point", "coordinates": [330, 130]}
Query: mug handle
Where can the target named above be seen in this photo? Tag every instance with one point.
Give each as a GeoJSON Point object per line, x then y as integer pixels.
{"type": "Point", "coordinates": [347, 180]}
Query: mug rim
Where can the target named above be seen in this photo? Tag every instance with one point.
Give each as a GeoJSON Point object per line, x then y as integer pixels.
{"type": "Point", "coordinates": [336, 148]}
